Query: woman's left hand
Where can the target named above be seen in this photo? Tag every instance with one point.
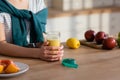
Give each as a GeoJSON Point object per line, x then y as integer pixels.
{"type": "Point", "coordinates": [51, 53]}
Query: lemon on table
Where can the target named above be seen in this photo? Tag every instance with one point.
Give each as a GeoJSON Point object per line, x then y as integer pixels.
{"type": "Point", "coordinates": [73, 43]}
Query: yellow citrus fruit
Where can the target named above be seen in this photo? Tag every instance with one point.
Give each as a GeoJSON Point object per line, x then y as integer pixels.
{"type": "Point", "coordinates": [73, 43]}
{"type": "Point", "coordinates": [1, 68]}
{"type": "Point", "coordinates": [12, 68]}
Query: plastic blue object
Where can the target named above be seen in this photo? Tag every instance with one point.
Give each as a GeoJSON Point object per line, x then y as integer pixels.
{"type": "Point", "coordinates": [69, 62]}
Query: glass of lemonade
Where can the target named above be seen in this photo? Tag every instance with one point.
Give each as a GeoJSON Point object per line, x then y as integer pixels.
{"type": "Point", "coordinates": [53, 37]}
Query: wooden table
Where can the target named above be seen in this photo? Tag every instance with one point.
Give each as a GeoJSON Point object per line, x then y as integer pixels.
{"type": "Point", "coordinates": [94, 64]}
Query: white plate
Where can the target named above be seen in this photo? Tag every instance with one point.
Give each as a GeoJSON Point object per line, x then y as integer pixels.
{"type": "Point", "coordinates": [23, 68]}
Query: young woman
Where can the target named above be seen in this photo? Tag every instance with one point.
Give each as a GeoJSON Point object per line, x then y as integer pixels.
{"type": "Point", "coordinates": [22, 28]}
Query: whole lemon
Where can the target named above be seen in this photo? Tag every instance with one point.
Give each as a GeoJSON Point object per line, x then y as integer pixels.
{"type": "Point", "coordinates": [73, 43]}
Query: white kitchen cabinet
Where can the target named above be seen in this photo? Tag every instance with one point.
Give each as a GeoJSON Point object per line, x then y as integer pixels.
{"type": "Point", "coordinates": [117, 2]}
{"type": "Point", "coordinates": [88, 4]}
{"type": "Point", "coordinates": [75, 26]}
{"type": "Point", "coordinates": [98, 3]}
{"type": "Point", "coordinates": [68, 26]}
{"type": "Point", "coordinates": [67, 5]}
{"type": "Point", "coordinates": [77, 4]}
{"type": "Point", "coordinates": [105, 22]}
{"type": "Point", "coordinates": [108, 3]}
{"type": "Point", "coordinates": [114, 23]}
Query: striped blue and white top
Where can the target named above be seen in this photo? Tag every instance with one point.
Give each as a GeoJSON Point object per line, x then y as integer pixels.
{"type": "Point", "coordinates": [34, 6]}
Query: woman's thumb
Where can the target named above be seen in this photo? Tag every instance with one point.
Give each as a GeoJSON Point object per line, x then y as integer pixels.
{"type": "Point", "coordinates": [46, 43]}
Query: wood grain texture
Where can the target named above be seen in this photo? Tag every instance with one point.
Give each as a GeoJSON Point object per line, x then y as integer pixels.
{"type": "Point", "coordinates": [94, 64]}
{"type": "Point", "coordinates": [90, 44]}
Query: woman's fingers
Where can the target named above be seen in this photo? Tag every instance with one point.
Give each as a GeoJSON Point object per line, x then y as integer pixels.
{"type": "Point", "coordinates": [51, 53]}
{"type": "Point", "coordinates": [56, 54]}
{"type": "Point", "coordinates": [53, 59]}
{"type": "Point", "coordinates": [45, 43]}
{"type": "Point", "coordinates": [51, 56]}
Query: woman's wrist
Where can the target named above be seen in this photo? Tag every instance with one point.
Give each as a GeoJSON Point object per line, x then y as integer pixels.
{"type": "Point", "coordinates": [38, 45]}
{"type": "Point", "coordinates": [33, 52]}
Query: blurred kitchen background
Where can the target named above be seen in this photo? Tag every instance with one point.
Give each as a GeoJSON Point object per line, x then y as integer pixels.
{"type": "Point", "coordinates": [73, 17]}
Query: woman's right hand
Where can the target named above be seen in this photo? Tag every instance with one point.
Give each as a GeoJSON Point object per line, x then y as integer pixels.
{"type": "Point", "coordinates": [50, 53]}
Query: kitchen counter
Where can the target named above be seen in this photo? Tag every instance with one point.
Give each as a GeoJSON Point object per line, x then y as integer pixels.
{"type": "Point", "coordinates": [94, 64]}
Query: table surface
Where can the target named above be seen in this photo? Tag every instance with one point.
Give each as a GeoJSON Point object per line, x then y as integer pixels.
{"type": "Point", "coordinates": [94, 64]}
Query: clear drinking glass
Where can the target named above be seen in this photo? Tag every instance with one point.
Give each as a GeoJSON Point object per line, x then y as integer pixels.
{"type": "Point", "coordinates": [53, 37]}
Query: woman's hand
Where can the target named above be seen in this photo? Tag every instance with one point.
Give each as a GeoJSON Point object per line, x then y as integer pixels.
{"type": "Point", "coordinates": [51, 53]}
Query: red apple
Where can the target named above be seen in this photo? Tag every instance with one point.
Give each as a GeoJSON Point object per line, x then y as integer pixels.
{"type": "Point", "coordinates": [109, 43]}
{"type": "Point", "coordinates": [89, 35]}
{"type": "Point", "coordinates": [100, 36]}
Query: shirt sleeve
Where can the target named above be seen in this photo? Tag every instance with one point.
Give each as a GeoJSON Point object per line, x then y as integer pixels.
{"type": "Point", "coordinates": [1, 18]}
{"type": "Point", "coordinates": [36, 5]}
{"type": "Point", "coordinates": [41, 5]}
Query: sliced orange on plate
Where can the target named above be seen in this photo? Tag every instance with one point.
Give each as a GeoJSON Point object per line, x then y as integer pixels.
{"type": "Point", "coordinates": [8, 66]}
